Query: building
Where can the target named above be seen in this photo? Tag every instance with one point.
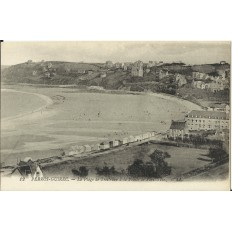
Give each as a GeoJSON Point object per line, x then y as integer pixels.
{"type": "Point", "coordinates": [147, 70]}
{"type": "Point", "coordinates": [131, 139]}
{"type": "Point", "coordinates": [207, 120]}
{"type": "Point", "coordinates": [180, 79]}
{"type": "Point", "coordinates": [138, 138]}
{"type": "Point", "coordinates": [87, 148]}
{"type": "Point", "coordinates": [162, 73]}
{"type": "Point", "coordinates": [114, 143]}
{"type": "Point", "coordinates": [223, 62]}
{"type": "Point", "coordinates": [81, 71]}
{"type": "Point", "coordinates": [102, 75]}
{"type": "Point", "coordinates": [29, 62]}
{"type": "Point", "coordinates": [151, 64]}
{"type": "Point", "coordinates": [34, 73]}
{"type": "Point", "coordinates": [104, 145]}
{"type": "Point", "coordinates": [177, 129]}
{"type": "Point", "coordinates": [96, 147]}
{"type": "Point", "coordinates": [125, 141]}
{"type": "Point", "coordinates": [200, 76]}
{"type": "Point", "coordinates": [109, 64]}
{"type": "Point", "coordinates": [28, 169]}
{"type": "Point", "coordinates": [137, 69]}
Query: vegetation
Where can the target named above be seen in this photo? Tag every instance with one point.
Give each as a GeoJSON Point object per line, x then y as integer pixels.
{"type": "Point", "coordinates": [106, 171]}
{"type": "Point", "coordinates": [157, 168]}
{"type": "Point", "coordinates": [82, 172]}
{"type": "Point", "coordinates": [217, 154]}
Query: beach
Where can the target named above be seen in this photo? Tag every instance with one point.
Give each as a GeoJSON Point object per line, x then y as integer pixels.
{"type": "Point", "coordinates": [71, 117]}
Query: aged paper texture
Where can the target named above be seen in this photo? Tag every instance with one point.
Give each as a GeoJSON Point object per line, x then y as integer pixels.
{"type": "Point", "coordinates": [115, 115]}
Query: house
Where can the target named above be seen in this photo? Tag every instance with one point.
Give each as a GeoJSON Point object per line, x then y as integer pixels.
{"type": "Point", "coordinates": [151, 64]}
{"type": "Point", "coordinates": [118, 65]}
{"type": "Point", "coordinates": [27, 168]}
{"type": "Point", "coordinates": [29, 62]}
{"type": "Point", "coordinates": [49, 65]}
{"type": "Point", "coordinates": [34, 73]}
{"type": "Point", "coordinates": [223, 62]}
{"type": "Point", "coordinates": [90, 72]}
{"type": "Point", "coordinates": [87, 148]}
{"type": "Point", "coordinates": [104, 145]}
{"type": "Point", "coordinates": [207, 120]}
{"type": "Point", "coordinates": [147, 70]}
{"type": "Point", "coordinates": [102, 75]}
{"type": "Point", "coordinates": [180, 79]}
{"type": "Point", "coordinates": [137, 69]}
{"type": "Point", "coordinates": [152, 134]}
{"type": "Point", "coordinates": [200, 76]}
{"type": "Point", "coordinates": [47, 74]}
{"type": "Point", "coordinates": [177, 129]}
{"type": "Point", "coordinates": [81, 71]}
{"type": "Point", "coordinates": [162, 73]}
{"type": "Point", "coordinates": [109, 64]}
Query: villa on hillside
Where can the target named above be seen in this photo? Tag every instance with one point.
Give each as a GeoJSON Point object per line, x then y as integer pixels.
{"type": "Point", "coordinates": [137, 69]}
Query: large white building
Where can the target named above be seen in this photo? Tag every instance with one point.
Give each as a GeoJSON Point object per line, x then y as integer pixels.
{"type": "Point", "coordinates": [207, 120]}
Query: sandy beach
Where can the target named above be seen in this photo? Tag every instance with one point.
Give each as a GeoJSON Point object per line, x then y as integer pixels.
{"type": "Point", "coordinates": [70, 117]}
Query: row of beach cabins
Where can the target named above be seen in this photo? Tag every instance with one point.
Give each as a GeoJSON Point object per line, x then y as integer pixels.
{"type": "Point", "coordinates": [75, 150]}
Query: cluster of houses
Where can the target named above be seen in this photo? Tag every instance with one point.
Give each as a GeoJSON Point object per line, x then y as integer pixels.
{"type": "Point", "coordinates": [76, 150]}
{"type": "Point", "coordinates": [213, 83]}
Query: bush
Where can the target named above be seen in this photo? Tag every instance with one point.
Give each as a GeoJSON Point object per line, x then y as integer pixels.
{"type": "Point", "coordinates": [82, 172]}
{"type": "Point", "coordinates": [106, 171]}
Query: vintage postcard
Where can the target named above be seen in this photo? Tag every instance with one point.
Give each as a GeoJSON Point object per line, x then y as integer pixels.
{"type": "Point", "coordinates": [115, 115]}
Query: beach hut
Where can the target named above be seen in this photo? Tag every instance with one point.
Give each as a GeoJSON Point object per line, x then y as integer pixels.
{"type": "Point", "coordinates": [145, 136]}
{"type": "Point", "coordinates": [124, 140]}
{"type": "Point", "coordinates": [152, 133]}
{"type": "Point", "coordinates": [138, 138]}
{"type": "Point", "coordinates": [114, 143]}
{"type": "Point", "coordinates": [95, 147]}
{"type": "Point", "coordinates": [120, 142]}
{"type": "Point", "coordinates": [131, 139]}
{"type": "Point", "coordinates": [104, 145]}
{"type": "Point", "coordinates": [87, 148]}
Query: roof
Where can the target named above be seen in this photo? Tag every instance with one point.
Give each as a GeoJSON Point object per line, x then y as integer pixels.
{"type": "Point", "coordinates": [178, 125]}
{"type": "Point", "coordinates": [208, 114]}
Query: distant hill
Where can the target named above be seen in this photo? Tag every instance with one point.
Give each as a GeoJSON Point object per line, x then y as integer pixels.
{"type": "Point", "coordinates": [46, 72]}
{"type": "Point", "coordinates": [4, 67]}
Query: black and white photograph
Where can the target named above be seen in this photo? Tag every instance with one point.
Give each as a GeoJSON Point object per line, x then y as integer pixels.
{"type": "Point", "coordinates": [109, 112]}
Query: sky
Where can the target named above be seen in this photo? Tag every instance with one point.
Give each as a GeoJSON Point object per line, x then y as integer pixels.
{"type": "Point", "coordinates": [99, 52]}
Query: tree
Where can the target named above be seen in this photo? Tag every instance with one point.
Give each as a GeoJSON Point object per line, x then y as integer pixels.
{"type": "Point", "coordinates": [82, 172]}
{"type": "Point", "coordinates": [106, 171]}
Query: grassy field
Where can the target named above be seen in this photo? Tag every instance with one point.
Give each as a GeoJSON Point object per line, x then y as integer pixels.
{"type": "Point", "coordinates": [182, 160]}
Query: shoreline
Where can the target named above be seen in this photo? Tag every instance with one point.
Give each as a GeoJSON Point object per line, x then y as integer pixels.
{"type": "Point", "coordinates": [188, 104]}
{"type": "Point", "coordinates": [48, 102]}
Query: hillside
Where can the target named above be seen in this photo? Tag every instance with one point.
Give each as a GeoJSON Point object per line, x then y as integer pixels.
{"type": "Point", "coordinates": [4, 67]}
{"type": "Point", "coordinates": [49, 72]}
